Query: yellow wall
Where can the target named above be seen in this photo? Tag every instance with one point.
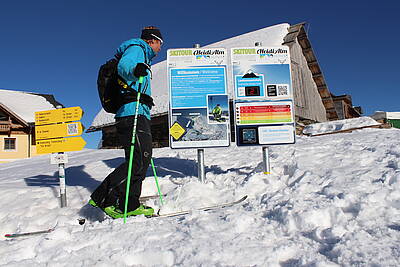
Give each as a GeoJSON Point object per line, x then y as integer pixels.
{"type": "Point", "coordinates": [21, 151]}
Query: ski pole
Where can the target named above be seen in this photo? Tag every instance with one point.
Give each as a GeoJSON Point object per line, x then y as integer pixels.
{"type": "Point", "coordinates": [128, 183]}
{"type": "Point", "coordinates": [158, 187]}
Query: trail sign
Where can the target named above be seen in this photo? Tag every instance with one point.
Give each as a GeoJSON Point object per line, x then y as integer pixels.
{"type": "Point", "coordinates": [50, 128]}
{"type": "Point", "coordinates": [60, 144]}
{"type": "Point", "coordinates": [58, 130]}
{"type": "Point", "coordinates": [58, 115]}
{"type": "Point", "coordinates": [52, 125]}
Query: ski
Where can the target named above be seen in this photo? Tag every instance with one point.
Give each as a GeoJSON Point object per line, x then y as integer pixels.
{"type": "Point", "coordinates": [207, 208]}
{"type": "Point", "coordinates": [145, 198]}
{"type": "Point", "coordinates": [180, 213]}
{"type": "Point", "coordinates": [14, 235]}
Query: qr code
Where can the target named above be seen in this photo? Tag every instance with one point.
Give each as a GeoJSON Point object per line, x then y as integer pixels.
{"type": "Point", "coordinates": [72, 128]}
{"type": "Point", "coordinates": [282, 89]}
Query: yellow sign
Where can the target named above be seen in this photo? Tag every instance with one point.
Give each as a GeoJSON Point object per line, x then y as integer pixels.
{"type": "Point", "coordinates": [58, 115]}
{"type": "Point", "coordinates": [176, 131]}
{"type": "Point", "coordinates": [58, 130]}
{"type": "Point", "coordinates": [59, 145]}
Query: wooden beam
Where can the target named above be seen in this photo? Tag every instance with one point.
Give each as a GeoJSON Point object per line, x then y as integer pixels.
{"type": "Point", "coordinates": [379, 126]}
{"type": "Point", "coordinates": [312, 63]}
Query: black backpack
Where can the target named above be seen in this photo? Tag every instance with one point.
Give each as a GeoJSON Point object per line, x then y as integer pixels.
{"type": "Point", "coordinates": [108, 88]}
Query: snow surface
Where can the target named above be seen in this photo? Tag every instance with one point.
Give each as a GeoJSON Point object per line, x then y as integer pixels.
{"type": "Point", "coordinates": [24, 104]}
{"type": "Point", "coordinates": [339, 125]}
{"type": "Point", "coordinates": [332, 200]}
{"type": "Point", "coordinates": [270, 36]}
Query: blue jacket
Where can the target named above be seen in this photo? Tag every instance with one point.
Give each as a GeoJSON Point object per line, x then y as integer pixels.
{"type": "Point", "coordinates": [126, 66]}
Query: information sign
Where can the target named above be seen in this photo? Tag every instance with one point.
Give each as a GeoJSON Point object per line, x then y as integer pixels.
{"type": "Point", "coordinates": [264, 112]}
{"type": "Point", "coordinates": [199, 105]}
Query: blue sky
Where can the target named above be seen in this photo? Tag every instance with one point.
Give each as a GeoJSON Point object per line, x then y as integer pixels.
{"type": "Point", "coordinates": [56, 47]}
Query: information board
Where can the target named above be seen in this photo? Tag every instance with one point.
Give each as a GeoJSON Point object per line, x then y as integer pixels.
{"type": "Point", "coordinates": [199, 105]}
{"type": "Point", "coordinates": [263, 90]}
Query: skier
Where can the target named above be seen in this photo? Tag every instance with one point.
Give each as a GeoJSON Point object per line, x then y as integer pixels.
{"type": "Point", "coordinates": [217, 112]}
{"type": "Point", "coordinates": [134, 63]}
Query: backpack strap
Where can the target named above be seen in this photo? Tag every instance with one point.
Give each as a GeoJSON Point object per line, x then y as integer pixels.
{"type": "Point", "coordinates": [119, 55]}
{"type": "Point", "coordinates": [131, 95]}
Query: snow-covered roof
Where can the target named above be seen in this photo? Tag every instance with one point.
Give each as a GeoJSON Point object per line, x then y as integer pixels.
{"type": "Point", "coordinates": [24, 104]}
{"type": "Point", "coordinates": [379, 115]}
{"type": "Point", "coordinates": [270, 36]}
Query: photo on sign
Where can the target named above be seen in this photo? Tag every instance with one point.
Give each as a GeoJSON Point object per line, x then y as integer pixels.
{"type": "Point", "coordinates": [271, 81]}
{"type": "Point", "coordinates": [195, 123]}
{"type": "Point", "coordinates": [218, 109]}
{"type": "Point", "coordinates": [250, 84]}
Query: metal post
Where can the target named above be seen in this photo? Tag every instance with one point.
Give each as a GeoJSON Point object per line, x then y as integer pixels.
{"type": "Point", "coordinates": [63, 189]}
{"type": "Point", "coordinates": [265, 152]}
{"type": "Point", "coordinates": [266, 165]}
{"type": "Point", "coordinates": [201, 171]}
{"type": "Point", "coordinates": [61, 177]}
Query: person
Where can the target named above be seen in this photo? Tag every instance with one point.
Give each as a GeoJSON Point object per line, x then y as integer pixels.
{"type": "Point", "coordinates": [135, 61]}
{"type": "Point", "coordinates": [217, 112]}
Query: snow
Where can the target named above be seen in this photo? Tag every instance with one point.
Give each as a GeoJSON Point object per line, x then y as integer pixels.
{"type": "Point", "coordinates": [380, 115]}
{"type": "Point", "coordinates": [331, 200]}
{"type": "Point", "coordinates": [339, 125]}
{"type": "Point", "coordinates": [270, 36]}
{"type": "Point", "coordinates": [27, 103]}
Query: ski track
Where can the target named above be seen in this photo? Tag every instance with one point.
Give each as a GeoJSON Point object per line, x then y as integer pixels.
{"type": "Point", "coordinates": [330, 201]}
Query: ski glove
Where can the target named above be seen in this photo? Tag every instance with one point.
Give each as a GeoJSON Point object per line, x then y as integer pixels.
{"type": "Point", "coordinates": [141, 70]}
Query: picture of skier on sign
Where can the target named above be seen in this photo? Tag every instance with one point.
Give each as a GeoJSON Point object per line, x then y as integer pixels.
{"type": "Point", "coordinates": [217, 112]}
{"type": "Point", "coordinates": [217, 109]}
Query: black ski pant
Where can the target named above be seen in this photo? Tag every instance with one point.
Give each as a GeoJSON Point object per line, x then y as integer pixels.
{"type": "Point", "coordinates": [112, 191]}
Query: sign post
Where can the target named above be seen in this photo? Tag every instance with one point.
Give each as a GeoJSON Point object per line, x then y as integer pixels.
{"type": "Point", "coordinates": [266, 166]}
{"type": "Point", "coordinates": [63, 188]}
{"type": "Point", "coordinates": [201, 170]}
{"type": "Point", "coordinates": [51, 128]}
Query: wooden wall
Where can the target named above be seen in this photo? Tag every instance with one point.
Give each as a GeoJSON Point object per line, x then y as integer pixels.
{"type": "Point", "coordinates": [308, 103]}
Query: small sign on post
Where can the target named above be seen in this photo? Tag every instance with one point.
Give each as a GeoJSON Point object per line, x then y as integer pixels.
{"type": "Point", "coordinates": [57, 131]}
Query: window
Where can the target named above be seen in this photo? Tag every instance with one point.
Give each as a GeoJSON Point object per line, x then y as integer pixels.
{"type": "Point", "coordinates": [9, 143]}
